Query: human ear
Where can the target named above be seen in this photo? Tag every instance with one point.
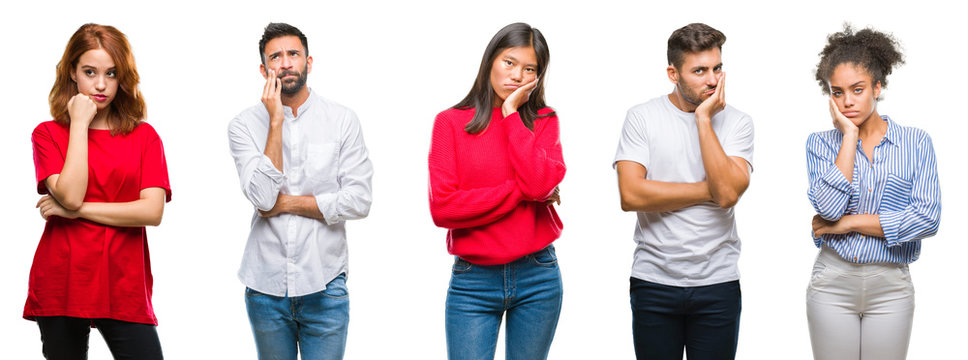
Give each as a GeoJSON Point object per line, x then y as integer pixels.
{"type": "Point", "coordinates": [673, 74]}
{"type": "Point", "coordinates": [262, 70]}
{"type": "Point", "coordinates": [877, 90]}
{"type": "Point", "coordinates": [309, 64]}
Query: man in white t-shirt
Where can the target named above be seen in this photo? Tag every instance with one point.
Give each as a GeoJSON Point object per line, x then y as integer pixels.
{"type": "Point", "coordinates": [683, 161]}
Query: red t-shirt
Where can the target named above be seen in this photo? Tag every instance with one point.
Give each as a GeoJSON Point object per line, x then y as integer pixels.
{"type": "Point", "coordinates": [488, 189]}
{"type": "Point", "coordinates": [82, 268]}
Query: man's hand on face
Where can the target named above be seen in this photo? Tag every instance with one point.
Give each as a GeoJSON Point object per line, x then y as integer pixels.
{"type": "Point", "coordinates": [715, 103]}
{"type": "Point", "coordinates": [272, 98]}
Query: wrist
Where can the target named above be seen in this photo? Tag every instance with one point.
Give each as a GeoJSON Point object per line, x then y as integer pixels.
{"type": "Point", "coordinates": [507, 111]}
{"type": "Point", "coordinates": [80, 125]}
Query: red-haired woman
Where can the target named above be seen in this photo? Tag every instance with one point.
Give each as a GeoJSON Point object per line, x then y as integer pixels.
{"type": "Point", "coordinates": [103, 173]}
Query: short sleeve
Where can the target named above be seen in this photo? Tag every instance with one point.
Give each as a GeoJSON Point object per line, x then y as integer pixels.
{"type": "Point", "coordinates": [154, 167]}
{"type": "Point", "coordinates": [48, 159]}
{"type": "Point", "coordinates": [739, 141]}
{"type": "Point", "coordinates": [634, 143]}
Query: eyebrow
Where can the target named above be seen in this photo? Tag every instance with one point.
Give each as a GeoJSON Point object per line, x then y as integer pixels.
{"type": "Point", "coordinates": [706, 67]}
{"type": "Point", "coordinates": [281, 51]}
{"type": "Point", "coordinates": [86, 66]}
{"type": "Point", "coordinates": [516, 60]}
{"type": "Point", "coordinates": [850, 86]}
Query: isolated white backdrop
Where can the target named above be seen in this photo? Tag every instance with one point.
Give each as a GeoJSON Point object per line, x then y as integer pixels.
{"type": "Point", "coordinates": [399, 63]}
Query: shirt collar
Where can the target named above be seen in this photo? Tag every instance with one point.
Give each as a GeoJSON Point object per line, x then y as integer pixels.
{"type": "Point", "coordinates": [305, 105]}
{"type": "Point", "coordinates": [893, 134]}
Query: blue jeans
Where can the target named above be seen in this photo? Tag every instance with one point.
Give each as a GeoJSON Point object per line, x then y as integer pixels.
{"type": "Point", "coordinates": [528, 290]}
{"type": "Point", "coordinates": [704, 319]}
{"type": "Point", "coordinates": [316, 323]}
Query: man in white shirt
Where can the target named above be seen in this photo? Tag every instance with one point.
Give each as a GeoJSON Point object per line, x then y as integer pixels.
{"type": "Point", "coordinates": [303, 165]}
{"type": "Point", "coordinates": [683, 161]}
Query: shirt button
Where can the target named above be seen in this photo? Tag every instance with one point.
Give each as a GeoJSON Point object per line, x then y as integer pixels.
{"type": "Point", "coordinates": [855, 258]}
{"type": "Point", "coordinates": [870, 190]}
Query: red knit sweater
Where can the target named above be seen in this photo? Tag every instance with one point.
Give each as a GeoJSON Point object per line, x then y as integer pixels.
{"type": "Point", "coordinates": [488, 189]}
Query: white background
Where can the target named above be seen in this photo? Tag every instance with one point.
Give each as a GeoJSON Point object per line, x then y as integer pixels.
{"type": "Point", "coordinates": [399, 63]}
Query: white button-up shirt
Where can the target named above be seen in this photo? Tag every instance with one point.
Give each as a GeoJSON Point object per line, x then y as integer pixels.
{"type": "Point", "coordinates": [323, 156]}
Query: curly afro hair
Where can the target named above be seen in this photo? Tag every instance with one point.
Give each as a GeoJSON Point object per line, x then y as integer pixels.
{"type": "Point", "coordinates": [877, 52]}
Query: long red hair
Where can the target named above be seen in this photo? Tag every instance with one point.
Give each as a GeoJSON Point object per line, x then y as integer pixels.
{"type": "Point", "coordinates": [127, 110]}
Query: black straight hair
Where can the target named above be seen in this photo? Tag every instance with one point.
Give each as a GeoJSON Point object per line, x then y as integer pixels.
{"type": "Point", "coordinates": [481, 97]}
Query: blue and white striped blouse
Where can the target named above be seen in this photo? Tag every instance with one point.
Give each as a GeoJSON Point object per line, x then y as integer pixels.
{"type": "Point", "coordinates": [900, 185]}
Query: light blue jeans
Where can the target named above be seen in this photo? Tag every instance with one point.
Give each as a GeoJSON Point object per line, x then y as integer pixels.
{"type": "Point", "coordinates": [528, 290]}
{"type": "Point", "coordinates": [316, 323]}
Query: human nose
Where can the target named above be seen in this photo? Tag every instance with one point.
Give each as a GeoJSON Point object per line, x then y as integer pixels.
{"type": "Point", "coordinates": [285, 62]}
{"type": "Point", "coordinates": [517, 74]}
{"type": "Point", "coordinates": [848, 100]}
{"type": "Point", "coordinates": [712, 79]}
{"type": "Point", "coordinates": [101, 83]}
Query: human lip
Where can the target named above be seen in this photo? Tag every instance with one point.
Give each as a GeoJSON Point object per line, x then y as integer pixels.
{"type": "Point", "coordinates": [100, 97]}
{"type": "Point", "coordinates": [512, 86]}
{"type": "Point", "coordinates": [710, 91]}
{"type": "Point", "coordinates": [850, 113]}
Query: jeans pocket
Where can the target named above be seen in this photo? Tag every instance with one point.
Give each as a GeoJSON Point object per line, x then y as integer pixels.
{"type": "Point", "coordinates": [461, 266]}
{"type": "Point", "coordinates": [249, 293]}
{"type": "Point", "coordinates": [545, 257]}
{"type": "Point", "coordinates": [337, 288]}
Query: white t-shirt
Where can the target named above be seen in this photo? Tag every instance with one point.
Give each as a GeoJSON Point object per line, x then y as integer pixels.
{"type": "Point", "coordinates": [697, 245]}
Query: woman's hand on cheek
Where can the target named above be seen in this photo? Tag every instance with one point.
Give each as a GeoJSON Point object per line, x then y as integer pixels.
{"type": "Point", "coordinates": [518, 98]}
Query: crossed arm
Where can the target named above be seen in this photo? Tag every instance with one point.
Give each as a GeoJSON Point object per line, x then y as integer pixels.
{"type": "Point", "coordinates": [146, 211]}
{"type": "Point", "coordinates": [727, 177]}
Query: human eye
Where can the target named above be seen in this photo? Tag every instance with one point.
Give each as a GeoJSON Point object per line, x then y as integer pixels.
{"type": "Point", "coordinates": [718, 68]}
{"type": "Point", "coordinates": [112, 73]}
{"type": "Point", "coordinates": [274, 57]}
{"type": "Point", "coordinates": [88, 72]}
{"type": "Point", "coordinates": [530, 69]}
{"type": "Point", "coordinates": [836, 93]}
{"type": "Point", "coordinates": [858, 90]}
{"type": "Point", "coordinates": [293, 53]}
{"type": "Point", "coordinates": [698, 71]}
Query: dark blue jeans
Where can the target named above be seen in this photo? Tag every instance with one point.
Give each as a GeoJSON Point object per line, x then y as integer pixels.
{"type": "Point", "coordinates": [703, 319]}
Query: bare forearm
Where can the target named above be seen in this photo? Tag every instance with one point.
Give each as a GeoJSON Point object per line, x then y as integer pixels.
{"type": "Point", "coordinates": [726, 177]}
{"type": "Point", "coordinates": [70, 186]}
{"type": "Point", "coordinates": [641, 194]}
{"type": "Point", "coordinates": [274, 145]}
{"type": "Point", "coordinates": [657, 196]}
{"type": "Point", "coordinates": [867, 224]}
{"type": "Point", "coordinates": [304, 206]}
{"type": "Point", "coordinates": [146, 211]}
{"type": "Point", "coordinates": [845, 158]}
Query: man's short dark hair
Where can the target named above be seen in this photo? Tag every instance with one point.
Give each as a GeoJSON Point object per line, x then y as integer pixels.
{"type": "Point", "coordinates": [275, 30]}
{"type": "Point", "coordinates": [692, 38]}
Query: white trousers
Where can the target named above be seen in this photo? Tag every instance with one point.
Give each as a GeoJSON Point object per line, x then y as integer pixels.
{"type": "Point", "coordinates": [859, 311]}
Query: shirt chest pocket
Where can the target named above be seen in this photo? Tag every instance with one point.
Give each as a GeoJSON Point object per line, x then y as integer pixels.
{"type": "Point", "coordinates": [897, 193]}
{"type": "Point", "coordinates": [321, 166]}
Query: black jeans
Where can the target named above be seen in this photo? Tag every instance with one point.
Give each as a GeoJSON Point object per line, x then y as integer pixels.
{"type": "Point", "coordinates": [66, 338]}
{"type": "Point", "coordinates": [703, 319]}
